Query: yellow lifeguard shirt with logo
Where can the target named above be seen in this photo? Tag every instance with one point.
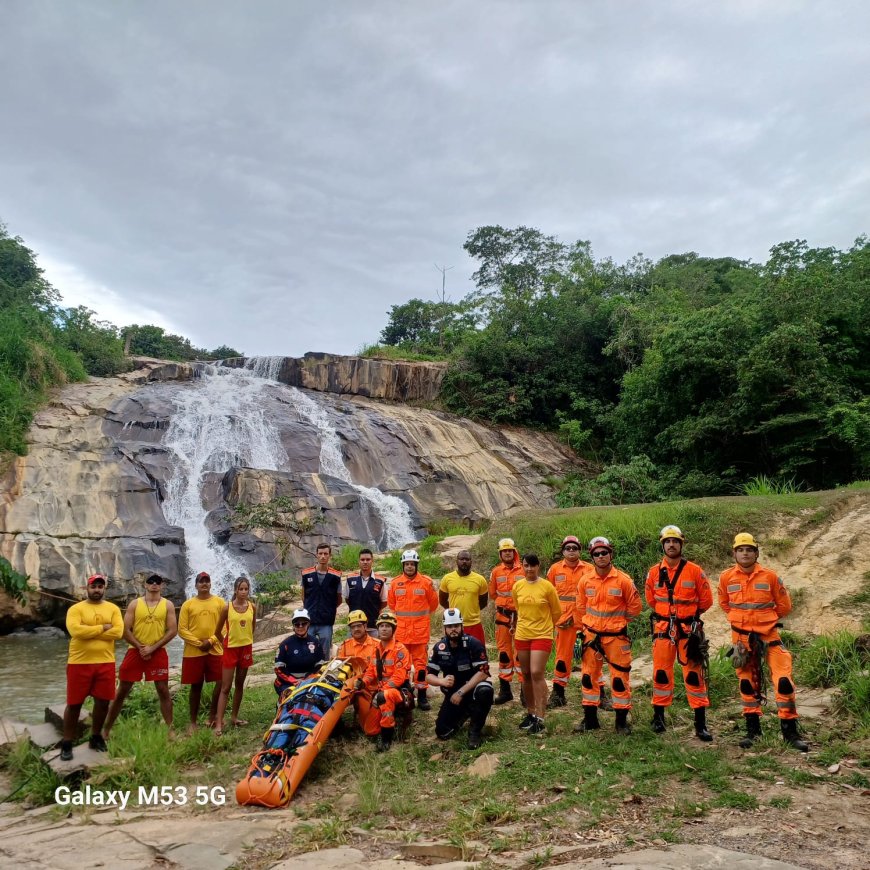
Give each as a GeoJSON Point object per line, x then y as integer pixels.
{"type": "Point", "coordinates": [197, 621]}
{"type": "Point", "coordinates": [89, 644]}
{"type": "Point", "coordinates": [240, 626]}
{"type": "Point", "coordinates": [149, 623]}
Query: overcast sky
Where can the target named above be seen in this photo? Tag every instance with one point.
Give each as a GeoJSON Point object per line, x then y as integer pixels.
{"type": "Point", "coordinates": [276, 175]}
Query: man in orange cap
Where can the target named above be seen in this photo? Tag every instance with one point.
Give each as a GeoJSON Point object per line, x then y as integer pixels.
{"type": "Point", "coordinates": [565, 575]}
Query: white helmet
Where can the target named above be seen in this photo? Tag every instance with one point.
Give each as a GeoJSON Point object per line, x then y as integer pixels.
{"type": "Point", "coordinates": [302, 613]}
{"type": "Point", "coordinates": [452, 616]}
{"type": "Point", "coordinates": [410, 556]}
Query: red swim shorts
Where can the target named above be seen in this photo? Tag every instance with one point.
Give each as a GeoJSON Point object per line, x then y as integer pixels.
{"type": "Point", "coordinates": [539, 644]}
{"type": "Point", "coordinates": [201, 669]}
{"type": "Point", "coordinates": [134, 667]}
{"type": "Point", "coordinates": [476, 631]}
{"type": "Point", "coordinates": [98, 681]}
{"type": "Point", "coordinates": [238, 655]}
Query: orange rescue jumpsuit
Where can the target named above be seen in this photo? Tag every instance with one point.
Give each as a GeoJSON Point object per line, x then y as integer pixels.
{"type": "Point", "coordinates": [501, 582]}
{"type": "Point", "coordinates": [566, 580]}
{"type": "Point", "coordinates": [362, 699]}
{"type": "Point", "coordinates": [387, 672]}
{"type": "Point", "coordinates": [603, 609]}
{"type": "Point", "coordinates": [754, 602]}
{"type": "Point", "coordinates": [676, 602]}
{"type": "Point", "coordinates": [412, 600]}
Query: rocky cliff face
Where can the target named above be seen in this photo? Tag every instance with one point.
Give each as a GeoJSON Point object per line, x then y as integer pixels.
{"type": "Point", "coordinates": [94, 492]}
{"type": "Point", "coordinates": [394, 381]}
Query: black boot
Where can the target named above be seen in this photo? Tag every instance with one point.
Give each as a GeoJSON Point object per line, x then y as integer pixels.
{"type": "Point", "coordinates": [622, 726]}
{"type": "Point", "coordinates": [753, 730]}
{"type": "Point", "coordinates": [66, 750]}
{"type": "Point", "coordinates": [385, 739]}
{"type": "Point", "coordinates": [792, 736]}
{"type": "Point", "coordinates": [701, 731]}
{"type": "Point", "coordinates": [557, 697]}
{"type": "Point", "coordinates": [590, 720]}
{"type": "Point", "coordinates": [475, 738]}
{"type": "Point", "coordinates": [423, 701]}
{"type": "Point", "coordinates": [504, 692]}
{"type": "Point", "coordinates": [658, 720]}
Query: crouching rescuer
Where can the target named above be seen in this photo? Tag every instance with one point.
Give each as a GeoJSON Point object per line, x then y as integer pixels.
{"type": "Point", "coordinates": [678, 593]}
{"type": "Point", "coordinates": [387, 679]}
{"type": "Point", "coordinates": [463, 666]}
{"type": "Point", "coordinates": [754, 599]}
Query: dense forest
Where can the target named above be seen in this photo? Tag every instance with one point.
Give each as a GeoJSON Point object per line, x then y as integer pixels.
{"type": "Point", "coordinates": [681, 377]}
{"type": "Point", "coordinates": [43, 344]}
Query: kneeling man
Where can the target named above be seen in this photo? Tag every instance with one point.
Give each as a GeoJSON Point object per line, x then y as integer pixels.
{"type": "Point", "coordinates": [462, 661]}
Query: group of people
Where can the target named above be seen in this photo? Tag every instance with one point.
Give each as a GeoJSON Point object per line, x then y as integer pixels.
{"type": "Point", "coordinates": [579, 609]}
{"type": "Point", "coordinates": [218, 638]}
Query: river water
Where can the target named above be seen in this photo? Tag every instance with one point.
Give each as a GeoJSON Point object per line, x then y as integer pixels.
{"type": "Point", "coordinates": [33, 673]}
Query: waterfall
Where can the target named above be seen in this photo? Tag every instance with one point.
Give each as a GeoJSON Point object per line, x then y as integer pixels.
{"type": "Point", "coordinates": [219, 422]}
{"type": "Point", "coordinates": [394, 513]}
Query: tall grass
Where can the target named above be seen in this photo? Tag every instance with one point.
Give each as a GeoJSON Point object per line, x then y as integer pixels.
{"type": "Point", "coordinates": [763, 485]}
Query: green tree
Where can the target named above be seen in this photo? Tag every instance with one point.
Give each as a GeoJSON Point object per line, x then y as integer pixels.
{"type": "Point", "coordinates": [97, 342]}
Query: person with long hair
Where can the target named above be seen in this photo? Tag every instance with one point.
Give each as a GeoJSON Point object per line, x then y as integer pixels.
{"type": "Point", "coordinates": [240, 619]}
{"type": "Point", "coordinates": [537, 611]}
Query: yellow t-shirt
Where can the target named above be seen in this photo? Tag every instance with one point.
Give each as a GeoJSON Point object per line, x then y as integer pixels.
{"type": "Point", "coordinates": [464, 592]}
{"type": "Point", "coordinates": [240, 626]}
{"type": "Point", "coordinates": [149, 623]}
{"type": "Point", "coordinates": [198, 620]}
{"type": "Point", "coordinates": [89, 644]}
{"type": "Point", "coordinates": [538, 609]}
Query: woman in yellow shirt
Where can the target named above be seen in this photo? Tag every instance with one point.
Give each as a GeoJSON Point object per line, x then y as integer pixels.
{"type": "Point", "coordinates": [537, 611]}
{"type": "Point", "coordinates": [239, 618]}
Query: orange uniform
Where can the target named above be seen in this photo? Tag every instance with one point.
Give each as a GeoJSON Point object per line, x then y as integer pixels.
{"type": "Point", "coordinates": [413, 599]}
{"type": "Point", "coordinates": [501, 582]}
{"type": "Point", "coordinates": [753, 602]}
{"type": "Point", "coordinates": [566, 579]}
{"type": "Point", "coordinates": [350, 648]}
{"type": "Point", "coordinates": [387, 673]}
{"type": "Point", "coordinates": [678, 596]}
{"type": "Point", "coordinates": [603, 609]}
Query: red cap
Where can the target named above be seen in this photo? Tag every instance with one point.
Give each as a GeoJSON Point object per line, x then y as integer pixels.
{"type": "Point", "coordinates": [95, 577]}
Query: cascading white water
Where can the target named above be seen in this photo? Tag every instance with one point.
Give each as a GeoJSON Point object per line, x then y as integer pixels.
{"type": "Point", "coordinates": [394, 513]}
{"type": "Point", "coordinates": [219, 423]}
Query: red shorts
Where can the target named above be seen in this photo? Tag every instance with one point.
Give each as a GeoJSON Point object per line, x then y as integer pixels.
{"type": "Point", "coordinates": [475, 631]}
{"type": "Point", "coordinates": [98, 681]}
{"type": "Point", "coordinates": [134, 667]}
{"type": "Point", "coordinates": [201, 669]}
{"type": "Point", "coordinates": [539, 644]}
{"type": "Point", "coordinates": [243, 656]}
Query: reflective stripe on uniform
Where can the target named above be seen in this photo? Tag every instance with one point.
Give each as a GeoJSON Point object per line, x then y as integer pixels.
{"type": "Point", "coordinates": [411, 613]}
{"type": "Point", "coordinates": [749, 605]}
{"type": "Point", "coordinates": [590, 611]}
{"type": "Point", "coordinates": [567, 598]}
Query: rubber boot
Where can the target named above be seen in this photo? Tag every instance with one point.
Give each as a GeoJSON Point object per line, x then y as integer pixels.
{"type": "Point", "coordinates": [590, 720]}
{"type": "Point", "coordinates": [622, 726]}
{"type": "Point", "coordinates": [423, 701]}
{"type": "Point", "coordinates": [606, 702]}
{"type": "Point", "coordinates": [557, 697]}
{"type": "Point", "coordinates": [385, 739]}
{"type": "Point", "coordinates": [701, 731]}
{"type": "Point", "coordinates": [658, 720]}
{"type": "Point", "coordinates": [753, 730]}
{"type": "Point", "coordinates": [475, 738]}
{"type": "Point", "coordinates": [792, 736]}
{"type": "Point", "coordinates": [504, 692]}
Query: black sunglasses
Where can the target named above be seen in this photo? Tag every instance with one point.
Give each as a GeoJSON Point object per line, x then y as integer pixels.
{"type": "Point", "coordinates": [599, 553]}
{"type": "Point", "coordinates": [154, 580]}
{"type": "Point", "coordinates": [570, 547]}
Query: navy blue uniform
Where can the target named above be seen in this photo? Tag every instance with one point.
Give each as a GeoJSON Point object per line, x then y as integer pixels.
{"type": "Point", "coordinates": [462, 662]}
{"type": "Point", "coordinates": [365, 596]}
{"type": "Point", "coordinates": [297, 657]}
{"type": "Point", "coordinates": [321, 598]}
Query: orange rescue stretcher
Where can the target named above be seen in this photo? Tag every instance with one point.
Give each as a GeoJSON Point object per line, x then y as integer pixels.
{"type": "Point", "coordinates": [307, 713]}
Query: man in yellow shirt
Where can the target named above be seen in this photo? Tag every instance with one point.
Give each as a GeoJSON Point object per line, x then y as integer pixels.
{"type": "Point", "coordinates": [203, 653]}
{"type": "Point", "coordinates": [466, 591]}
{"type": "Point", "coordinates": [93, 625]}
{"type": "Point", "coordinates": [149, 624]}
